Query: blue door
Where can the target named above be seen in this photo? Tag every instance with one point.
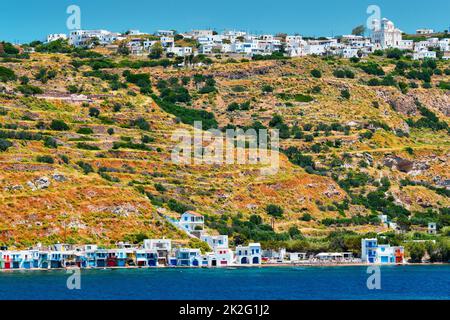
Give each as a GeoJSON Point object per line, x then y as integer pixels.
{"type": "Point", "coordinates": [384, 259]}
{"type": "Point", "coordinates": [255, 260]}
{"type": "Point", "coordinates": [195, 263]}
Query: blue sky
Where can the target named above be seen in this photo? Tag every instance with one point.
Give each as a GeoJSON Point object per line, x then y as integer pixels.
{"type": "Point", "coordinates": [26, 20]}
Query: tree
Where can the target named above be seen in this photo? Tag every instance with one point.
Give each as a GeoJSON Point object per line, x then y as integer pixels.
{"type": "Point", "coordinates": [274, 210]}
{"type": "Point", "coordinates": [416, 251]}
{"type": "Point", "coordinates": [345, 94]}
{"type": "Point", "coordinates": [94, 112]}
{"type": "Point", "coordinates": [156, 51]}
{"type": "Point", "coordinates": [359, 30]}
{"type": "Point", "coordinates": [123, 50]}
{"type": "Point", "coordinates": [59, 125]}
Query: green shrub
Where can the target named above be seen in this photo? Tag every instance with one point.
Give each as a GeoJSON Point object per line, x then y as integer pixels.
{"type": "Point", "coordinates": [29, 90]}
{"type": "Point", "coordinates": [7, 74]}
{"type": "Point", "coordinates": [316, 73]}
{"type": "Point", "coordinates": [85, 130]}
{"type": "Point", "coordinates": [59, 125]}
{"type": "Point", "coordinates": [45, 159]}
{"type": "Point", "coordinates": [186, 115]}
{"type": "Point", "coordinates": [86, 167]}
{"type": "Point", "coordinates": [50, 142]}
{"type": "Point", "coordinates": [141, 123]}
{"type": "Point", "coordinates": [4, 145]}
{"type": "Point", "coordinates": [94, 112]}
{"type": "Point", "coordinates": [85, 146]}
{"type": "Point", "coordinates": [345, 94]}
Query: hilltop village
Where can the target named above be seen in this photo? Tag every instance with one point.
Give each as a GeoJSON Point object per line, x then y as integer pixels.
{"type": "Point", "coordinates": [209, 42]}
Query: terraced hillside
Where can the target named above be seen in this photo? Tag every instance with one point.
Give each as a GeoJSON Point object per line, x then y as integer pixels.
{"type": "Point", "coordinates": [86, 146]}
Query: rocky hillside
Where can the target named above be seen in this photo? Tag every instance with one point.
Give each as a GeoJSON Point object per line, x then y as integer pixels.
{"type": "Point", "coordinates": [85, 146]}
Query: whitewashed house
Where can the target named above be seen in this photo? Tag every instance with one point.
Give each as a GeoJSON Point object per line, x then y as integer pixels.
{"type": "Point", "coordinates": [191, 221]}
{"type": "Point", "coordinates": [167, 41]}
{"type": "Point", "coordinates": [424, 54]}
{"type": "Point", "coordinates": [180, 51]}
{"type": "Point", "coordinates": [86, 37]}
{"type": "Point", "coordinates": [215, 241]}
{"type": "Point", "coordinates": [424, 31]}
{"type": "Point", "coordinates": [220, 257]}
{"type": "Point", "coordinates": [163, 247]}
{"type": "Point", "coordinates": [372, 252]}
{"type": "Point", "coordinates": [405, 45]}
{"type": "Point", "coordinates": [432, 228]}
{"type": "Point", "coordinates": [248, 255]}
{"type": "Point", "coordinates": [56, 36]}
{"type": "Point", "coordinates": [165, 33]}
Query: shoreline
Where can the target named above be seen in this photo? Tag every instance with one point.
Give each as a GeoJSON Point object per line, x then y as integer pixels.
{"type": "Point", "coordinates": [231, 267]}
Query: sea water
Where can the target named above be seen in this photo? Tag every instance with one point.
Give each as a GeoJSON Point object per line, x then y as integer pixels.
{"type": "Point", "coordinates": [267, 283]}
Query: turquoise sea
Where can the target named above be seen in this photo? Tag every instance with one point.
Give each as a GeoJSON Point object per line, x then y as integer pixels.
{"type": "Point", "coordinates": [277, 283]}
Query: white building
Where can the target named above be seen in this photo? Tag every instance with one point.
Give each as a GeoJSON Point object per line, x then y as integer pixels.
{"type": "Point", "coordinates": [372, 252]}
{"type": "Point", "coordinates": [424, 31]}
{"type": "Point", "coordinates": [215, 241]}
{"type": "Point", "coordinates": [296, 256]}
{"type": "Point", "coordinates": [386, 34]}
{"type": "Point", "coordinates": [86, 37]}
{"type": "Point", "coordinates": [221, 257]}
{"type": "Point", "coordinates": [167, 41]}
{"type": "Point", "coordinates": [165, 33]}
{"type": "Point", "coordinates": [56, 36]}
{"type": "Point", "coordinates": [424, 54]}
{"type": "Point", "coordinates": [191, 221]}
{"type": "Point", "coordinates": [250, 254]}
{"type": "Point", "coordinates": [432, 228]}
{"type": "Point", "coordinates": [200, 33]}
{"type": "Point", "coordinates": [162, 247]}
{"type": "Point", "coordinates": [180, 51]}
{"type": "Point", "coordinates": [406, 45]}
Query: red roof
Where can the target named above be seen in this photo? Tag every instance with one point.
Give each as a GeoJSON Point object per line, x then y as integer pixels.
{"type": "Point", "coordinates": [194, 213]}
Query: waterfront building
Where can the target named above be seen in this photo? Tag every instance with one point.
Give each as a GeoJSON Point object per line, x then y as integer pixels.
{"type": "Point", "coordinates": [146, 258]}
{"type": "Point", "coordinates": [101, 257]}
{"type": "Point", "coordinates": [296, 256]}
{"type": "Point", "coordinates": [187, 257]}
{"type": "Point", "coordinates": [334, 256]}
{"type": "Point", "coordinates": [163, 247]}
{"type": "Point", "coordinates": [372, 252]}
{"type": "Point", "coordinates": [221, 257]}
{"type": "Point", "coordinates": [250, 254]}
{"type": "Point", "coordinates": [369, 250]}
{"type": "Point", "coordinates": [55, 259]}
